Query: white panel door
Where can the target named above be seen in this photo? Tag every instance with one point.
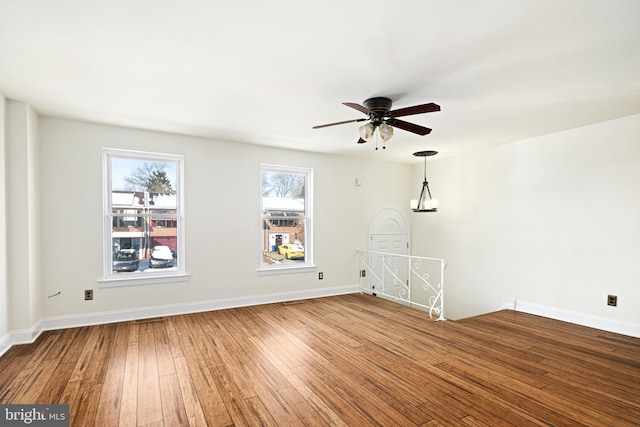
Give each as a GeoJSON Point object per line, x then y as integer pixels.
{"type": "Point", "coordinates": [392, 273]}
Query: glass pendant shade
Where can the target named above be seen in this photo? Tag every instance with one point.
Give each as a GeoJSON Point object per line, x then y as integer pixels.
{"type": "Point", "coordinates": [386, 131]}
{"type": "Point", "coordinates": [366, 132]}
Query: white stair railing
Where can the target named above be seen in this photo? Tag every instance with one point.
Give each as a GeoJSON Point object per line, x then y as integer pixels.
{"type": "Point", "coordinates": [411, 280]}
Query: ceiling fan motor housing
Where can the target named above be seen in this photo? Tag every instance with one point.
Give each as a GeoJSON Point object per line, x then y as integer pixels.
{"type": "Point", "coordinates": [380, 106]}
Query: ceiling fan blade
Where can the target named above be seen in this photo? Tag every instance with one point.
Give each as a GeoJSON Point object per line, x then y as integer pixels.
{"type": "Point", "coordinates": [357, 107]}
{"type": "Point", "coordinates": [409, 127]}
{"type": "Point", "coordinates": [416, 109]}
{"type": "Point", "coordinates": [338, 123]}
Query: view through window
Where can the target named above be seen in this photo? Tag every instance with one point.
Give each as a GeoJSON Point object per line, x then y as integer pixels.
{"type": "Point", "coordinates": [143, 213]}
{"type": "Point", "coordinates": [286, 216]}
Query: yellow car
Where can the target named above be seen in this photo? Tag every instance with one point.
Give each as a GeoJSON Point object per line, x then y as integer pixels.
{"type": "Point", "coordinates": [292, 251]}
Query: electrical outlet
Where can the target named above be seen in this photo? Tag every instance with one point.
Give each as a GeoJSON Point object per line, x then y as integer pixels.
{"type": "Point", "coordinates": [320, 275]}
{"type": "Point", "coordinates": [363, 273]}
{"type": "Point", "coordinates": [88, 294]}
{"type": "Point", "coordinates": [612, 300]}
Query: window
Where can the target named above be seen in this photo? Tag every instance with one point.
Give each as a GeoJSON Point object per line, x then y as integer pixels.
{"type": "Point", "coordinates": [143, 215]}
{"type": "Point", "coordinates": [286, 217]}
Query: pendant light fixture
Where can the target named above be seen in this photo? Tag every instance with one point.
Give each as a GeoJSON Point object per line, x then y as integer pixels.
{"type": "Point", "coordinates": [424, 204]}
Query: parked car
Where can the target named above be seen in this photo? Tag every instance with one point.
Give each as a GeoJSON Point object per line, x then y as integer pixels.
{"type": "Point", "coordinates": [161, 257]}
{"type": "Point", "coordinates": [292, 251]}
{"type": "Point", "coordinates": [126, 260]}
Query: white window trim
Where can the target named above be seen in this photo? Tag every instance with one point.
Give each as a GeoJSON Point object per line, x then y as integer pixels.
{"type": "Point", "coordinates": [147, 280]}
{"type": "Point", "coordinates": [298, 267]}
{"type": "Point", "coordinates": [147, 277]}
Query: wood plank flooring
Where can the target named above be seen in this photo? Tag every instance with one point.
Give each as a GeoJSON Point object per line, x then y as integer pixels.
{"type": "Point", "coordinates": [351, 360]}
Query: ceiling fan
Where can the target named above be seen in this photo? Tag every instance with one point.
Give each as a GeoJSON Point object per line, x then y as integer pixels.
{"type": "Point", "coordinates": [381, 117]}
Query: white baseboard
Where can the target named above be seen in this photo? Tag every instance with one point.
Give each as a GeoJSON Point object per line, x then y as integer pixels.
{"type": "Point", "coordinates": [28, 336]}
{"type": "Point", "coordinates": [603, 323]}
{"type": "Point", "coordinates": [5, 343]}
{"type": "Point", "coordinates": [22, 336]}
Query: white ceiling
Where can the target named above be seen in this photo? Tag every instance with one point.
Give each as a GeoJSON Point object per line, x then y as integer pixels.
{"type": "Point", "coordinates": [265, 72]}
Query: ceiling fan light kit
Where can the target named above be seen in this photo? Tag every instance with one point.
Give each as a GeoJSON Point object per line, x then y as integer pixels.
{"type": "Point", "coordinates": [381, 117]}
{"type": "Point", "coordinates": [424, 204]}
{"type": "Point", "coordinates": [367, 133]}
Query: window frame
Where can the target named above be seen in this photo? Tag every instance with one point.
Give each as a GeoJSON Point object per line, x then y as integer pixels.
{"type": "Point", "coordinates": [149, 276]}
{"type": "Point", "coordinates": [307, 264]}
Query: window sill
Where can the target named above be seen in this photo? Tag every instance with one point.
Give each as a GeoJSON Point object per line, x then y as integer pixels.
{"type": "Point", "coordinates": [264, 271]}
{"type": "Point", "coordinates": [147, 280]}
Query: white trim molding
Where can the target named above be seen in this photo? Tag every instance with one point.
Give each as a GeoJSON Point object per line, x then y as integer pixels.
{"type": "Point", "coordinates": [21, 336]}
{"type": "Point", "coordinates": [28, 336]}
{"type": "Point", "coordinates": [597, 322]}
{"type": "Point", "coordinates": [5, 343]}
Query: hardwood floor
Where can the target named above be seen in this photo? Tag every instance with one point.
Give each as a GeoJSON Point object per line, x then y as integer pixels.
{"type": "Point", "coordinates": [350, 360]}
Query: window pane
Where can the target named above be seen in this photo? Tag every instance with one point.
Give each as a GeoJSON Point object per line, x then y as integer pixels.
{"type": "Point", "coordinates": [284, 223]}
{"type": "Point", "coordinates": [285, 244]}
{"type": "Point", "coordinates": [144, 213]}
{"type": "Point", "coordinates": [138, 175]}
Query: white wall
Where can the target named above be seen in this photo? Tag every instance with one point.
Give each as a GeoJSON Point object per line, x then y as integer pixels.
{"type": "Point", "coordinates": [222, 216]}
{"type": "Point", "coordinates": [4, 298]}
{"type": "Point", "coordinates": [23, 216]}
{"type": "Point", "coordinates": [552, 221]}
